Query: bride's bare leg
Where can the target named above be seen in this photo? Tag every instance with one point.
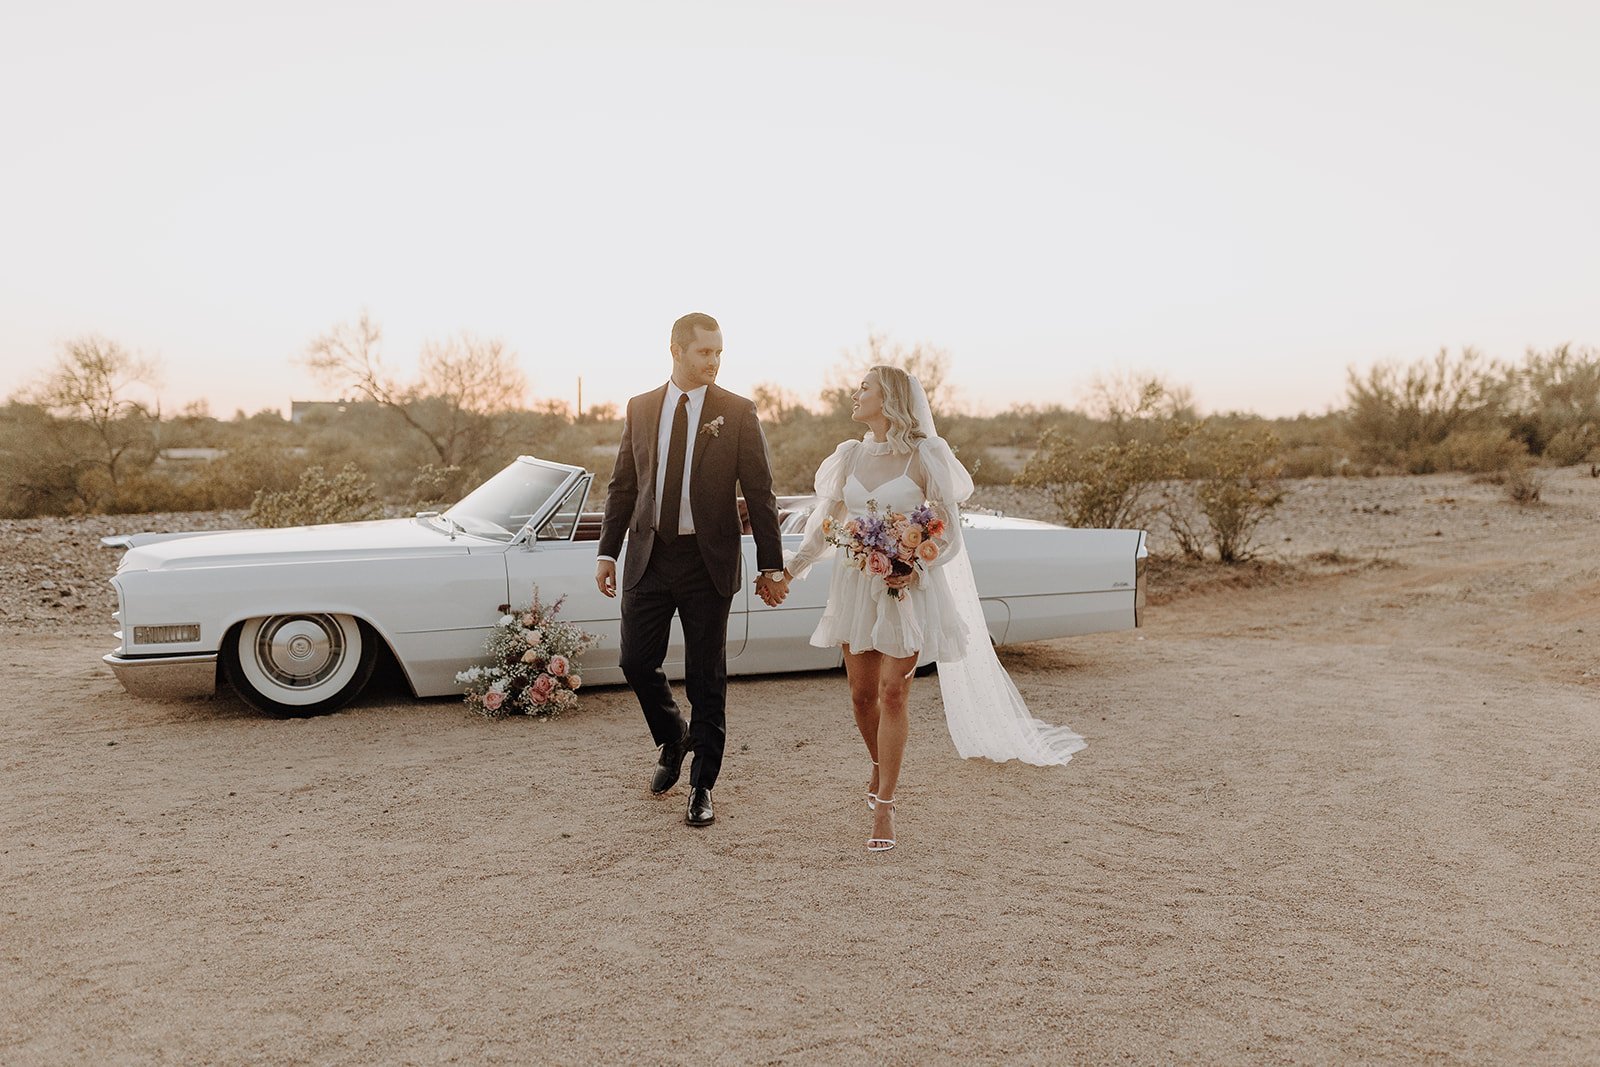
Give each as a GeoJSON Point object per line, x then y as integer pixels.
{"type": "Point", "coordinates": [862, 670]}
{"type": "Point", "coordinates": [894, 726]}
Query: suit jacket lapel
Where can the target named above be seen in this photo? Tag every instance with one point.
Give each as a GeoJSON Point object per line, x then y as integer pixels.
{"type": "Point", "coordinates": [652, 420]}
{"type": "Point", "coordinates": [702, 441]}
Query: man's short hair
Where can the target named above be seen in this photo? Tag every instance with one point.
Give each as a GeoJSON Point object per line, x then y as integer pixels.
{"type": "Point", "coordinates": [683, 329]}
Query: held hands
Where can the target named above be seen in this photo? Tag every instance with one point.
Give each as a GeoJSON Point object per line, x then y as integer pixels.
{"type": "Point", "coordinates": [605, 576]}
{"type": "Point", "coordinates": [772, 593]}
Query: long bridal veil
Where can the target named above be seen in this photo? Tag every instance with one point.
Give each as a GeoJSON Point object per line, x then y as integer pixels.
{"type": "Point", "coordinates": [986, 715]}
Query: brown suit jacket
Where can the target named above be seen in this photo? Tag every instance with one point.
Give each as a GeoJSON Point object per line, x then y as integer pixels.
{"type": "Point", "coordinates": [732, 459]}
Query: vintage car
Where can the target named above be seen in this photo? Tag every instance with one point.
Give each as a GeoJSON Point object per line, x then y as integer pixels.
{"type": "Point", "coordinates": [294, 618]}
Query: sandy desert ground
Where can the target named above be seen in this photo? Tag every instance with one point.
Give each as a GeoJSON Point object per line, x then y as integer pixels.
{"type": "Point", "coordinates": [1345, 811]}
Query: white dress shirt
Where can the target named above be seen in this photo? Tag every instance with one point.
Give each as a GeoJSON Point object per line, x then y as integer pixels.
{"type": "Point", "coordinates": [669, 407]}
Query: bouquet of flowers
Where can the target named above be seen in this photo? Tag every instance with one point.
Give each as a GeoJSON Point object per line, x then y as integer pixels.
{"type": "Point", "coordinates": [530, 666]}
{"type": "Point", "coordinates": [887, 543]}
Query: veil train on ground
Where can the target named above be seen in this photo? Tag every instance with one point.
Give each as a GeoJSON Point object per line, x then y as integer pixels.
{"type": "Point", "coordinates": [983, 710]}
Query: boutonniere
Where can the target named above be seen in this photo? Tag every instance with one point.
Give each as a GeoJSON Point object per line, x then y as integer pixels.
{"type": "Point", "coordinates": [714, 427]}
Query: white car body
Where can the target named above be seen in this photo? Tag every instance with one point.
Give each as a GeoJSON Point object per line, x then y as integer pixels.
{"type": "Point", "coordinates": [431, 592]}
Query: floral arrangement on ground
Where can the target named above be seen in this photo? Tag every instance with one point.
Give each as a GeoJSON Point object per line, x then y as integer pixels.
{"type": "Point", "coordinates": [532, 664]}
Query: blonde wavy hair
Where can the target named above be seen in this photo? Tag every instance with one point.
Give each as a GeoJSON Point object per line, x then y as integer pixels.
{"type": "Point", "coordinates": [895, 385]}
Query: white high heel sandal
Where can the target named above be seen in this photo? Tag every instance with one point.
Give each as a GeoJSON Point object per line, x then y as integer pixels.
{"type": "Point", "coordinates": [881, 844]}
{"type": "Point", "coordinates": [872, 798]}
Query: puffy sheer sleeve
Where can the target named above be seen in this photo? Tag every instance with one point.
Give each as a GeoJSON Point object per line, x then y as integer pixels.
{"type": "Point", "coordinates": [830, 505]}
{"type": "Point", "coordinates": [946, 480]}
{"type": "Point", "coordinates": [946, 483]}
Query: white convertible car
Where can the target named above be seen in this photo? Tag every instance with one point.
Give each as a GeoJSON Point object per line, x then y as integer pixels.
{"type": "Point", "coordinates": [294, 618]}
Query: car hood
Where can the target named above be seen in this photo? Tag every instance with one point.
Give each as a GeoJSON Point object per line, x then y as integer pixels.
{"type": "Point", "coordinates": [382, 538]}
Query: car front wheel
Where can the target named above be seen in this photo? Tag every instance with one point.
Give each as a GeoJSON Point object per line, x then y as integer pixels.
{"type": "Point", "coordinates": [299, 664]}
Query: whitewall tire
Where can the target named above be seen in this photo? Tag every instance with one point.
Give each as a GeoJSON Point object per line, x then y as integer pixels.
{"type": "Point", "coordinates": [299, 664]}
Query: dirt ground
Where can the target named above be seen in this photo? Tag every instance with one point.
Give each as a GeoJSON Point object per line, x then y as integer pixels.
{"type": "Point", "coordinates": [1343, 811]}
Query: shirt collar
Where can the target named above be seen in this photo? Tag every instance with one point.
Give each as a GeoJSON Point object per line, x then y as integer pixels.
{"type": "Point", "coordinates": [697, 396]}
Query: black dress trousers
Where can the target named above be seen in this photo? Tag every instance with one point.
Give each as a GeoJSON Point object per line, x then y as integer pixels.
{"type": "Point", "coordinates": [677, 581]}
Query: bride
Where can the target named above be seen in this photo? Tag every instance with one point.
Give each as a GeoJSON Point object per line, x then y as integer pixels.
{"type": "Point", "coordinates": [887, 621]}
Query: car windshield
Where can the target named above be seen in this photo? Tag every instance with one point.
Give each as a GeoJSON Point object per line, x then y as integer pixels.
{"type": "Point", "coordinates": [499, 507]}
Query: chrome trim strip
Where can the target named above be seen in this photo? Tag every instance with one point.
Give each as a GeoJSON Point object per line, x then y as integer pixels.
{"type": "Point", "coordinates": [165, 677]}
{"type": "Point", "coordinates": [1140, 558]}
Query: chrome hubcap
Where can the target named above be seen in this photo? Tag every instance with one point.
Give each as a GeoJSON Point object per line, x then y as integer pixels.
{"type": "Point", "coordinates": [300, 651]}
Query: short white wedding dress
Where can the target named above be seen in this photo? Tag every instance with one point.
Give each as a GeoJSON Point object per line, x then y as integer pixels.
{"type": "Point", "coordinates": [861, 613]}
{"type": "Point", "coordinates": [940, 616]}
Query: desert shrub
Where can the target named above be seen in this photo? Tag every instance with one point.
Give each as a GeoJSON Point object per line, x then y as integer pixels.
{"type": "Point", "coordinates": [1398, 414]}
{"type": "Point", "coordinates": [1115, 483]}
{"type": "Point", "coordinates": [34, 480]}
{"type": "Point", "coordinates": [1112, 485]}
{"type": "Point", "coordinates": [1313, 461]}
{"type": "Point", "coordinates": [1573, 444]}
{"type": "Point", "coordinates": [1554, 396]}
{"type": "Point", "coordinates": [797, 445]}
{"type": "Point", "coordinates": [434, 486]}
{"type": "Point", "coordinates": [1025, 424]}
{"type": "Point", "coordinates": [1477, 451]}
{"type": "Point", "coordinates": [986, 467]}
{"type": "Point", "coordinates": [1523, 484]}
{"type": "Point", "coordinates": [152, 491]}
{"type": "Point", "coordinates": [1232, 486]}
{"type": "Point", "coordinates": [346, 497]}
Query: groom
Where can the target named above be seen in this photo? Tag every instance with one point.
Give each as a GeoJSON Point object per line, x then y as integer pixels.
{"type": "Point", "coordinates": [684, 447]}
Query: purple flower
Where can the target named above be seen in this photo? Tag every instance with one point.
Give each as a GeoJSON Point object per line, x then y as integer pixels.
{"type": "Point", "coordinates": [874, 533]}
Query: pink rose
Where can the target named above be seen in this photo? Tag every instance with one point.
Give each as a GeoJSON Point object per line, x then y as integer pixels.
{"type": "Point", "coordinates": [928, 551]}
{"type": "Point", "coordinates": [543, 686]}
{"type": "Point", "coordinates": [878, 565]}
{"type": "Point", "coordinates": [535, 638]}
{"type": "Point", "coordinates": [530, 655]}
{"type": "Point", "coordinates": [575, 680]}
{"type": "Point", "coordinates": [492, 699]}
{"type": "Point", "coordinates": [559, 665]}
{"type": "Point", "coordinates": [911, 536]}
{"type": "Point", "coordinates": [528, 619]}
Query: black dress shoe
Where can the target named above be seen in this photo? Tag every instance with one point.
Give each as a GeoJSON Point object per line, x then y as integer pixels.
{"type": "Point", "coordinates": [700, 813]}
{"type": "Point", "coordinates": [670, 766]}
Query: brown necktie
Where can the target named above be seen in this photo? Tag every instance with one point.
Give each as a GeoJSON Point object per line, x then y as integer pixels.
{"type": "Point", "coordinates": [672, 492]}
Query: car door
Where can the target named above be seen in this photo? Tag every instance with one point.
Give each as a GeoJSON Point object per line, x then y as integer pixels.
{"type": "Point", "coordinates": [779, 639]}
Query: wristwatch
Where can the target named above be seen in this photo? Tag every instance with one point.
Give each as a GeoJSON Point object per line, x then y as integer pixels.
{"type": "Point", "coordinates": [772, 576]}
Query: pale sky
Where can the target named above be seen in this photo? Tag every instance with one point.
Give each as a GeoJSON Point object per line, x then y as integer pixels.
{"type": "Point", "coordinates": [1244, 197]}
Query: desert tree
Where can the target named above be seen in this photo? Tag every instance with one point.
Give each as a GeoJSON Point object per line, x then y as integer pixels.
{"type": "Point", "coordinates": [1134, 404]}
{"type": "Point", "coordinates": [460, 403]}
{"type": "Point", "coordinates": [775, 404]}
{"type": "Point", "coordinates": [928, 363]}
{"type": "Point", "coordinates": [99, 427]}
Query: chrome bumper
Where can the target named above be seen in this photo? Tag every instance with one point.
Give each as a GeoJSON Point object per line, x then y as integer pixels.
{"type": "Point", "coordinates": [166, 677]}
